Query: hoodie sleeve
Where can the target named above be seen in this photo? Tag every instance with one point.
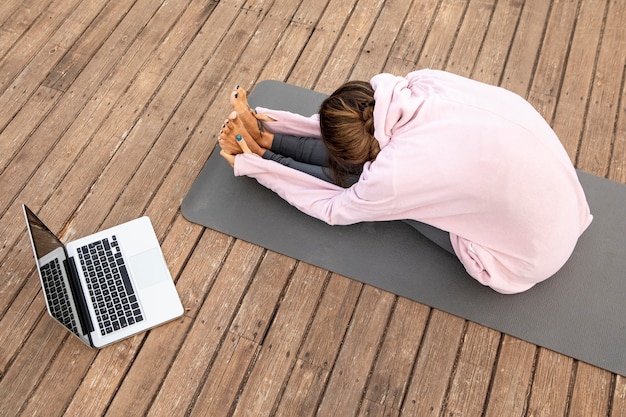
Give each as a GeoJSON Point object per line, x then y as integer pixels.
{"type": "Point", "coordinates": [291, 123]}
{"type": "Point", "coordinates": [317, 198]}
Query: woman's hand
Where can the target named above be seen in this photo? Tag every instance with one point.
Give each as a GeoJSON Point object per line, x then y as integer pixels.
{"type": "Point", "coordinates": [229, 150]}
{"type": "Point", "coordinates": [230, 158]}
{"type": "Point", "coordinates": [235, 139]}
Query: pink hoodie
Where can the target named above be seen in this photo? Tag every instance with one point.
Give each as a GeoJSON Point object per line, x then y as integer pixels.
{"type": "Point", "coordinates": [475, 160]}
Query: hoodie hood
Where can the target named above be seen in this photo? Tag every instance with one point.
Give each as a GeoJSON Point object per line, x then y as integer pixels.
{"type": "Point", "coordinates": [397, 103]}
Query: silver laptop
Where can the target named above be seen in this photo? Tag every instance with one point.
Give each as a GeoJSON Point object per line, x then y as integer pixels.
{"type": "Point", "coordinates": [107, 286]}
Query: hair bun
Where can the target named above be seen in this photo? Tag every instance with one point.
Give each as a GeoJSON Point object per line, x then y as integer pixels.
{"type": "Point", "coordinates": [367, 115]}
{"type": "Point", "coordinates": [347, 129]}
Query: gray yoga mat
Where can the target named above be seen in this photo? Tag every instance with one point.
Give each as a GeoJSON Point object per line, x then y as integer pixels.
{"type": "Point", "coordinates": [580, 312]}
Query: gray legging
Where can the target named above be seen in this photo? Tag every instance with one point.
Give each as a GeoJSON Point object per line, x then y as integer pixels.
{"type": "Point", "coordinates": [309, 155]}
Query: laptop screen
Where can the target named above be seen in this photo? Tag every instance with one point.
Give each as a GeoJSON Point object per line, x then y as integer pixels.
{"type": "Point", "coordinates": [44, 241]}
{"type": "Point", "coordinates": [51, 255]}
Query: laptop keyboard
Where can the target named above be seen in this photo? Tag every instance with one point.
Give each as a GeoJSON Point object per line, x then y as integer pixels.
{"type": "Point", "coordinates": [110, 289]}
{"type": "Point", "coordinates": [57, 295]}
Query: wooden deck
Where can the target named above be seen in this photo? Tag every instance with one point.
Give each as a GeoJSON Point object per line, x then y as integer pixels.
{"type": "Point", "coordinates": [109, 109]}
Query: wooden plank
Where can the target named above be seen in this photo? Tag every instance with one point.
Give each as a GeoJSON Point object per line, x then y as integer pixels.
{"type": "Point", "coordinates": [203, 340]}
{"type": "Point", "coordinates": [372, 409]}
{"type": "Point", "coordinates": [15, 19]}
{"type": "Point", "coordinates": [219, 393]}
{"type": "Point", "coordinates": [169, 142]}
{"type": "Point", "coordinates": [435, 362]}
{"type": "Point", "coordinates": [286, 52]}
{"type": "Point", "coordinates": [239, 74]}
{"type": "Point", "coordinates": [113, 147]}
{"type": "Point", "coordinates": [598, 135]}
{"type": "Point", "coordinates": [38, 188]}
{"type": "Point", "coordinates": [71, 64]}
{"type": "Point", "coordinates": [296, 35]}
{"type": "Point", "coordinates": [358, 351]}
{"type": "Point", "coordinates": [305, 387]}
{"type": "Point", "coordinates": [617, 168]}
{"type": "Point", "coordinates": [257, 6]}
{"type": "Point", "coordinates": [472, 376]}
{"type": "Point", "coordinates": [14, 269]}
{"type": "Point", "coordinates": [171, 113]}
{"type": "Point", "coordinates": [513, 378]}
{"type": "Point", "coordinates": [493, 54]}
{"type": "Point", "coordinates": [8, 8]}
{"type": "Point", "coordinates": [196, 148]}
{"type": "Point", "coordinates": [551, 64]}
{"type": "Point", "coordinates": [263, 297]}
{"type": "Point", "coordinates": [331, 320]}
{"type": "Point", "coordinates": [139, 123]}
{"type": "Point", "coordinates": [24, 69]}
{"type": "Point", "coordinates": [307, 69]}
{"type": "Point", "coordinates": [258, 52]}
{"type": "Point", "coordinates": [39, 32]}
{"type": "Point", "coordinates": [543, 95]}
{"type": "Point", "coordinates": [64, 121]}
{"type": "Point", "coordinates": [249, 330]}
{"type": "Point", "coordinates": [68, 369]}
{"type": "Point", "coordinates": [280, 347]}
{"type": "Point", "coordinates": [590, 396]}
{"type": "Point", "coordinates": [441, 37]}
{"type": "Point", "coordinates": [26, 310]}
{"type": "Point", "coordinates": [204, 46]}
{"type": "Point", "coordinates": [31, 115]}
{"type": "Point", "coordinates": [305, 20]}
{"type": "Point", "coordinates": [469, 41]}
{"type": "Point", "coordinates": [392, 372]}
{"type": "Point", "coordinates": [618, 401]}
{"type": "Point", "coordinates": [569, 118]}
{"type": "Point", "coordinates": [201, 133]}
{"type": "Point", "coordinates": [145, 376]}
{"type": "Point", "coordinates": [411, 37]}
{"type": "Point", "coordinates": [26, 370]}
{"type": "Point", "coordinates": [307, 381]}
{"type": "Point", "coordinates": [381, 39]}
{"type": "Point", "coordinates": [197, 139]}
{"type": "Point", "coordinates": [525, 47]}
{"type": "Point", "coordinates": [349, 44]}
{"type": "Point", "coordinates": [550, 389]}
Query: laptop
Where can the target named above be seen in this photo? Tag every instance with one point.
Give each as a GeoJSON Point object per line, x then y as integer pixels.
{"type": "Point", "coordinates": [107, 286]}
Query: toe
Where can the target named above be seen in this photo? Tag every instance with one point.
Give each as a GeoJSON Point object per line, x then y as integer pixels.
{"type": "Point", "coordinates": [233, 116]}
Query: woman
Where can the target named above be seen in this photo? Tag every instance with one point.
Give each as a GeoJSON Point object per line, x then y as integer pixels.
{"type": "Point", "coordinates": [473, 160]}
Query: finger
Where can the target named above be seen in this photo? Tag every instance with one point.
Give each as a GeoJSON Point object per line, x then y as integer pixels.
{"type": "Point", "coordinates": [228, 157]}
{"type": "Point", "coordinates": [242, 144]}
{"type": "Point", "coordinates": [263, 117]}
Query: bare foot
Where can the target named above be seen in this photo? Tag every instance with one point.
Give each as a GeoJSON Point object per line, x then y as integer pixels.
{"type": "Point", "coordinates": [233, 133]}
{"type": "Point", "coordinates": [250, 119]}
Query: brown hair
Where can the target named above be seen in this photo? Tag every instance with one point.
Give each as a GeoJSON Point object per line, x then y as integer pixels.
{"type": "Point", "coordinates": [347, 128]}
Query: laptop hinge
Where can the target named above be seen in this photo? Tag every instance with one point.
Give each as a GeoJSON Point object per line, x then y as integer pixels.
{"type": "Point", "coordinates": [79, 298]}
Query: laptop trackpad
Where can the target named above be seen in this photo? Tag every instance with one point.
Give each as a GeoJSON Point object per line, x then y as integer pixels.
{"type": "Point", "coordinates": [148, 268]}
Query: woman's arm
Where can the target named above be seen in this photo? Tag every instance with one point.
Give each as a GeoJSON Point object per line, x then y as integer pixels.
{"type": "Point", "coordinates": [291, 123]}
{"type": "Point", "coordinates": [318, 198]}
